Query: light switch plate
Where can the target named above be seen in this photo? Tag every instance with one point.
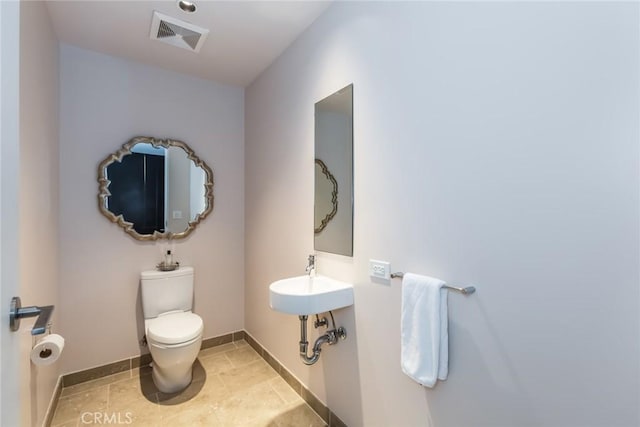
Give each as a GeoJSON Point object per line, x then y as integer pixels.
{"type": "Point", "coordinates": [379, 269]}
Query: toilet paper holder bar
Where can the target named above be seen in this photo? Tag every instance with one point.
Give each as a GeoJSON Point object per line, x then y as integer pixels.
{"type": "Point", "coordinates": [18, 312]}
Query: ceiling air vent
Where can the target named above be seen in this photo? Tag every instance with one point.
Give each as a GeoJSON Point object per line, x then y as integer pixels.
{"type": "Point", "coordinates": [176, 32]}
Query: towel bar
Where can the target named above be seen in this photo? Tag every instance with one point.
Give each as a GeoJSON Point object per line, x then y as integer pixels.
{"type": "Point", "coordinates": [466, 290]}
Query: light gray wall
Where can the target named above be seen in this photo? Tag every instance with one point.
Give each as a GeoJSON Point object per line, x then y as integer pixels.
{"type": "Point", "coordinates": [38, 198]}
{"type": "Point", "coordinates": [496, 144]}
{"type": "Point", "coordinates": [105, 101]}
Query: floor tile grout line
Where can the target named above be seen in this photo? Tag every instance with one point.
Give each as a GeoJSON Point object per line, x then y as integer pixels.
{"type": "Point", "coordinates": [229, 360]}
{"type": "Point", "coordinates": [279, 395]}
{"type": "Point", "coordinates": [94, 386]}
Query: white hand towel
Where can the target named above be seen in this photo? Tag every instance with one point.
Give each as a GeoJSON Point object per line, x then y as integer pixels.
{"type": "Point", "coordinates": [424, 328]}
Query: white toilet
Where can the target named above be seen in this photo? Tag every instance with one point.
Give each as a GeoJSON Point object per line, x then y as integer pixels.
{"type": "Point", "coordinates": [174, 333]}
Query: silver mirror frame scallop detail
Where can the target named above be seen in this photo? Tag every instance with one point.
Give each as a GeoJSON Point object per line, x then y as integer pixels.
{"type": "Point", "coordinates": [104, 193]}
{"type": "Point", "coordinates": [334, 196]}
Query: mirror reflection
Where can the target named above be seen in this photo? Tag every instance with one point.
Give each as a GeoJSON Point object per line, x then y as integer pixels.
{"type": "Point", "coordinates": [155, 188]}
{"type": "Point", "coordinates": [326, 205]}
{"type": "Point", "coordinates": [333, 209]}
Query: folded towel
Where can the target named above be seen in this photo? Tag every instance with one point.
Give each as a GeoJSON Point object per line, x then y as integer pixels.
{"type": "Point", "coordinates": [424, 328]}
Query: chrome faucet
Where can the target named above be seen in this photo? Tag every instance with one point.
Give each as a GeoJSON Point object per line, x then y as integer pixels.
{"type": "Point", "coordinates": [311, 265]}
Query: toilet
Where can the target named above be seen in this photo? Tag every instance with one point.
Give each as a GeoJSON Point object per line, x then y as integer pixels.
{"type": "Point", "coordinates": [173, 332]}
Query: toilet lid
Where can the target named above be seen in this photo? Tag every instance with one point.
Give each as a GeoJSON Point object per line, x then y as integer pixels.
{"type": "Point", "coordinates": [174, 328]}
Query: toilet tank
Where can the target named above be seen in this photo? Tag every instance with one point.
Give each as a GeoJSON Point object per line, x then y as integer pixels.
{"type": "Point", "coordinates": [164, 291]}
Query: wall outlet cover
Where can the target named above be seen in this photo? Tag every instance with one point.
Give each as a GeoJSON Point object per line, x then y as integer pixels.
{"type": "Point", "coordinates": [379, 269]}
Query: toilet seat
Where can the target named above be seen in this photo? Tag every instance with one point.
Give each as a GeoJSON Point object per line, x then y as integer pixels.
{"type": "Point", "coordinates": [174, 328]}
{"type": "Point", "coordinates": [158, 345]}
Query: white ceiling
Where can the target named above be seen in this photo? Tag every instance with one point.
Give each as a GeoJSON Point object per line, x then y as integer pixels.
{"type": "Point", "coordinates": [244, 39]}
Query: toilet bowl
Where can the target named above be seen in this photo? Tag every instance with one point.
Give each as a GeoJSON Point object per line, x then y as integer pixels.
{"type": "Point", "coordinates": [173, 331]}
{"type": "Point", "coordinates": [174, 341]}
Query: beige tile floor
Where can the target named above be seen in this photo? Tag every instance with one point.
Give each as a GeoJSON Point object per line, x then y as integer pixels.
{"type": "Point", "coordinates": [232, 386]}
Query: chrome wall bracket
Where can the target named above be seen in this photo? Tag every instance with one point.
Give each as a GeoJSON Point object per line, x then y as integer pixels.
{"type": "Point", "coordinates": [17, 312]}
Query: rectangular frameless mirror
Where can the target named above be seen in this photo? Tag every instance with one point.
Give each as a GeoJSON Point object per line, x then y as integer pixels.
{"type": "Point", "coordinates": [333, 209]}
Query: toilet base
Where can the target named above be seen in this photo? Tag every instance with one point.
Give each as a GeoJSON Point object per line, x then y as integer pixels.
{"type": "Point", "coordinates": [171, 382]}
{"type": "Point", "coordinates": [172, 369]}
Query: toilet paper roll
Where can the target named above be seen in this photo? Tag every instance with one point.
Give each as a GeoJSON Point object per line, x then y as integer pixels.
{"type": "Point", "coordinates": [47, 350]}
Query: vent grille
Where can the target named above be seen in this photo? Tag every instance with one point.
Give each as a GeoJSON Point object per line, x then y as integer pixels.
{"type": "Point", "coordinates": [164, 30]}
{"type": "Point", "coordinates": [176, 32]}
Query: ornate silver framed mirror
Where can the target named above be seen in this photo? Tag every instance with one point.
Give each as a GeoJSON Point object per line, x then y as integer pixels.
{"type": "Point", "coordinates": [155, 188]}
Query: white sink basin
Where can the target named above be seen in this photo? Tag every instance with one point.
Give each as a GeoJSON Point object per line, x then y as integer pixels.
{"type": "Point", "coordinates": [309, 295]}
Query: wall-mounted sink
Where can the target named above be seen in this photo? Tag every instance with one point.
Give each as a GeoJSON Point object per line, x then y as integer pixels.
{"type": "Point", "coordinates": [304, 295]}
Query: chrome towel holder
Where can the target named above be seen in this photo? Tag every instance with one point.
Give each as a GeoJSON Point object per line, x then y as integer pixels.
{"type": "Point", "coordinates": [466, 290]}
